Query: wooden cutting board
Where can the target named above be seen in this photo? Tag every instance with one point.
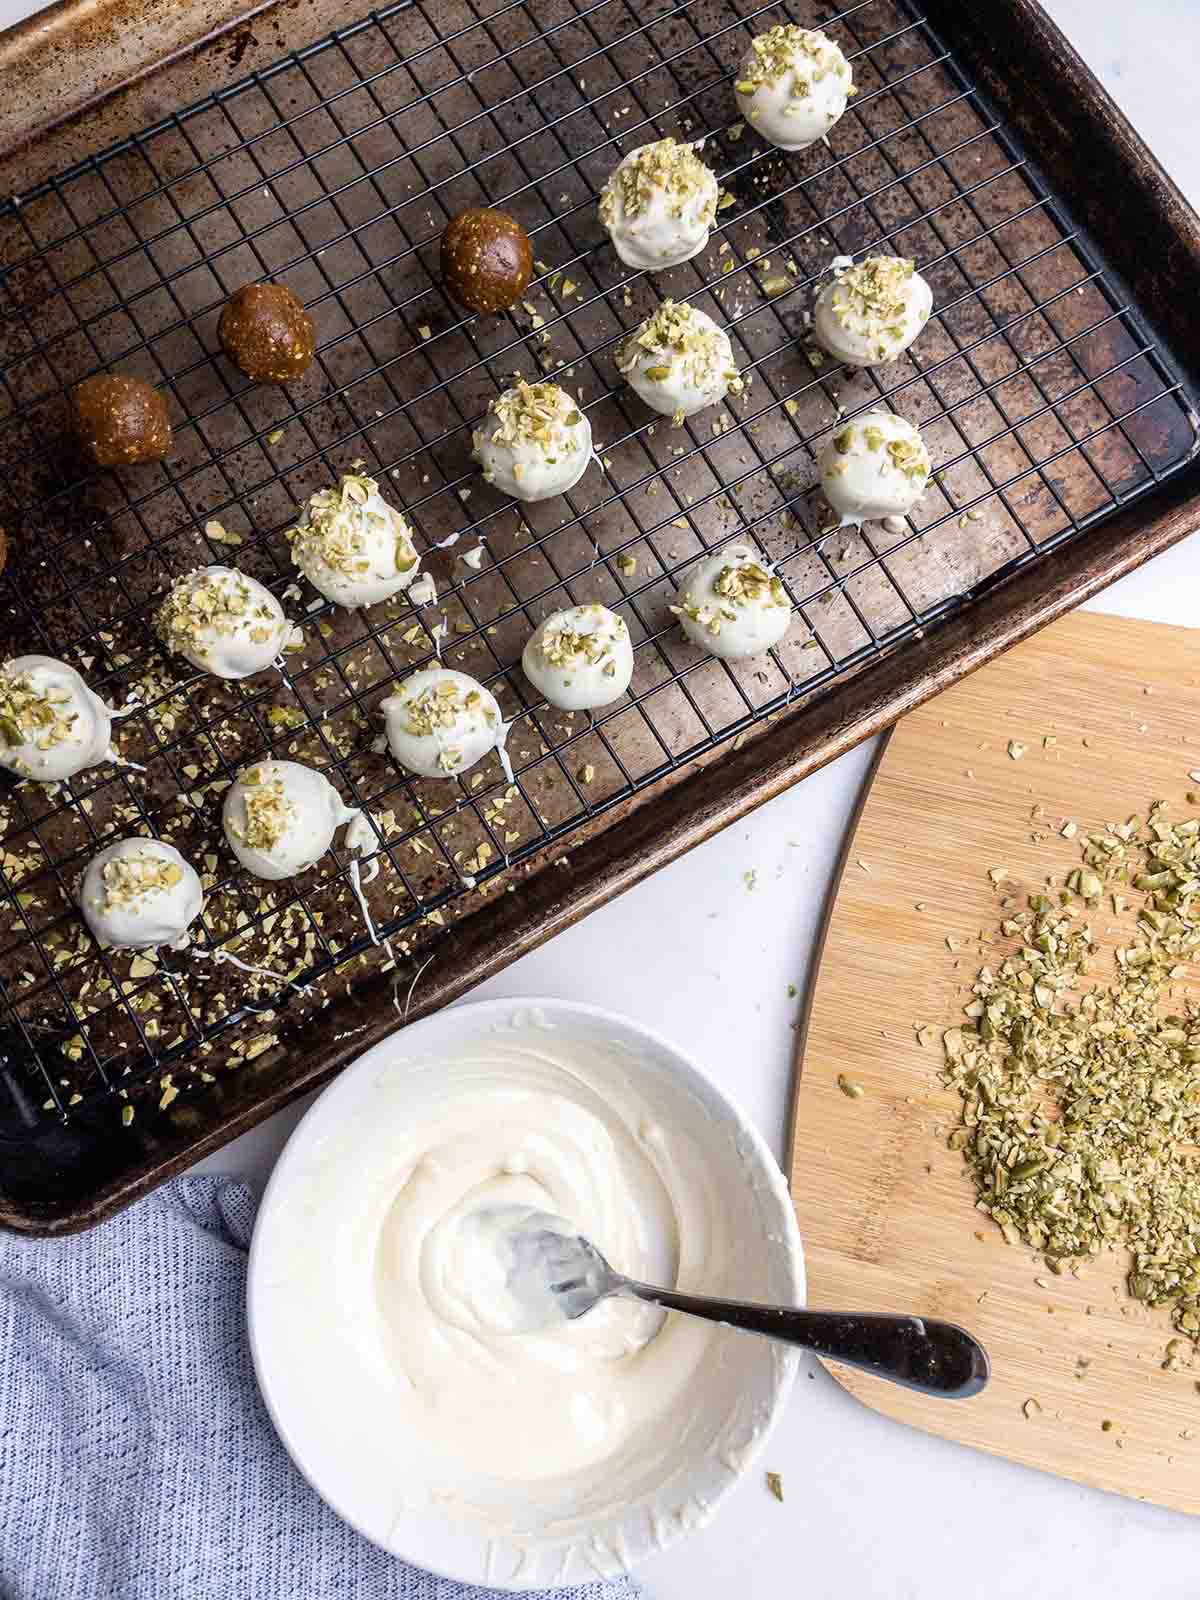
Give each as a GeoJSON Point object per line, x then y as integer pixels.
{"type": "Point", "coordinates": [885, 1208]}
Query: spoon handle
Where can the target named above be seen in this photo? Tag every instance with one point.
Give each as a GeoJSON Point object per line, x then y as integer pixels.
{"type": "Point", "coordinates": [934, 1358]}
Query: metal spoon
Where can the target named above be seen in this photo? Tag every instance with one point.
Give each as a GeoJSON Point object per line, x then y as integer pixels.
{"type": "Point", "coordinates": [552, 1272]}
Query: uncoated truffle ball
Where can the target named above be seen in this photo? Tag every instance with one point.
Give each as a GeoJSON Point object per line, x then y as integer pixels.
{"type": "Point", "coordinates": [267, 333]}
{"type": "Point", "coordinates": [120, 421]}
{"type": "Point", "coordinates": [487, 259]}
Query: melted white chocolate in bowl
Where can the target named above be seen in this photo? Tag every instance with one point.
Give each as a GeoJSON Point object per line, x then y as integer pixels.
{"type": "Point", "coordinates": [522, 1125]}
{"type": "Point", "coordinates": [533, 1458]}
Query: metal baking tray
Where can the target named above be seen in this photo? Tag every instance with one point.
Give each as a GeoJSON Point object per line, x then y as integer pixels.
{"type": "Point", "coordinates": [1055, 385]}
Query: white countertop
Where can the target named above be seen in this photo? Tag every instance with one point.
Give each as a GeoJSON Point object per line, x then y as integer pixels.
{"type": "Point", "coordinates": [873, 1511]}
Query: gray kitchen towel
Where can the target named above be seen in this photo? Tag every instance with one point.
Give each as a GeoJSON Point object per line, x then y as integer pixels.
{"type": "Point", "coordinates": [137, 1460]}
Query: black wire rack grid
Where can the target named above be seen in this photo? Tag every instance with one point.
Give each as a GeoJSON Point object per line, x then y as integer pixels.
{"type": "Point", "coordinates": [1042, 396]}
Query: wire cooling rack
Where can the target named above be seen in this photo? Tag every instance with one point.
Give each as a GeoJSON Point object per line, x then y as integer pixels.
{"type": "Point", "coordinates": [1042, 396]}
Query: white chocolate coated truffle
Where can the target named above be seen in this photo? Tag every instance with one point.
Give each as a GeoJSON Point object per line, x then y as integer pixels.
{"type": "Point", "coordinates": [139, 894]}
{"type": "Point", "coordinates": [51, 724]}
{"type": "Point", "coordinates": [580, 658]}
{"type": "Point", "coordinates": [535, 442]}
{"type": "Point", "coordinates": [732, 604]}
{"type": "Point", "coordinates": [223, 622]}
{"type": "Point", "coordinates": [793, 85]}
{"type": "Point", "coordinates": [869, 314]}
{"type": "Point", "coordinates": [352, 546]}
{"type": "Point", "coordinates": [679, 362]}
{"type": "Point", "coordinates": [658, 205]}
{"type": "Point", "coordinates": [441, 722]}
{"type": "Point", "coordinates": [874, 467]}
{"type": "Point", "coordinates": [280, 817]}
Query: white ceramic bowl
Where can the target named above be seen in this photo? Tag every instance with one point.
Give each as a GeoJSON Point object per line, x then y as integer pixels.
{"type": "Point", "coordinates": [744, 1391]}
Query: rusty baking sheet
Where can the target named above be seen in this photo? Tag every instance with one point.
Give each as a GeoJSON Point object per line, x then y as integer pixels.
{"type": "Point", "coordinates": [1054, 396]}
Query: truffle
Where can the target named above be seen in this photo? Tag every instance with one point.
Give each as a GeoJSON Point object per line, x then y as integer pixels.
{"type": "Point", "coordinates": [140, 893]}
{"type": "Point", "coordinates": [732, 604]}
{"type": "Point", "coordinates": [658, 205]}
{"type": "Point", "coordinates": [441, 722]}
{"type": "Point", "coordinates": [793, 85]}
{"type": "Point", "coordinates": [266, 332]}
{"type": "Point", "coordinates": [223, 622]}
{"type": "Point", "coordinates": [679, 362]}
{"type": "Point", "coordinates": [352, 546]}
{"type": "Point", "coordinates": [874, 467]}
{"type": "Point", "coordinates": [487, 259]}
{"type": "Point", "coordinates": [580, 658]}
{"type": "Point", "coordinates": [120, 421]}
{"type": "Point", "coordinates": [280, 817]}
{"type": "Point", "coordinates": [870, 313]}
{"type": "Point", "coordinates": [534, 443]}
{"type": "Point", "coordinates": [51, 724]}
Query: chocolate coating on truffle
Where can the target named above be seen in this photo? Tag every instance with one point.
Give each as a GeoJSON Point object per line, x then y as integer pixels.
{"type": "Point", "coordinates": [267, 333]}
{"type": "Point", "coordinates": [487, 259]}
{"type": "Point", "coordinates": [120, 420]}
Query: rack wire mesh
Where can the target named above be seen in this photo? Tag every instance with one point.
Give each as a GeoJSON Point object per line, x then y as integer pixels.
{"type": "Point", "coordinates": [1043, 398]}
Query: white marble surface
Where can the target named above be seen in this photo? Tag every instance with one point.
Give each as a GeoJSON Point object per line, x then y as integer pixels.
{"type": "Point", "coordinates": [873, 1511]}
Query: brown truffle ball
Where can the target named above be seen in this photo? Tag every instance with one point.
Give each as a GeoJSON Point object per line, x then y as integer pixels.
{"type": "Point", "coordinates": [487, 259]}
{"type": "Point", "coordinates": [267, 333]}
{"type": "Point", "coordinates": [120, 420]}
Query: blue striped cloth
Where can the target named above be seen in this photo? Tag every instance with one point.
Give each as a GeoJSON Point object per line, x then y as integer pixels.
{"type": "Point", "coordinates": [137, 1460]}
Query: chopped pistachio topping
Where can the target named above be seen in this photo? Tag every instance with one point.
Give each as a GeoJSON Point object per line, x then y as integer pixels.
{"type": "Point", "coordinates": [269, 811]}
{"type": "Point", "coordinates": [201, 607]}
{"type": "Point", "coordinates": [563, 645]}
{"type": "Point", "coordinates": [909, 456]}
{"type": "Point", "coordinates": [874, 294]}
{"type": "Point", "coordinates": [748, 583]}
{"type": "Point", "coordinates": [535, 413]}
{"type": "Point", "coordinates": [664, 167]}
{"type": "Point", "coordinates": [738, 584]}
{"type": "Point", "coordinates": [338, 526]}
{"type": "Point", "coordinates": [41, 717]}
{"type": "Point", "coordinates": [438, 708]}
{"type": "Point", "coordinates": [1081, 1095]}
{"type": "Point", "coordinates": [805, 53]}
{"type": "Point", "coordinates": [129, 878]}
{"type": "Point", "coordinates": [690, 344]}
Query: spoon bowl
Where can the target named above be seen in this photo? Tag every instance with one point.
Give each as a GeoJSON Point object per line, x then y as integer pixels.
{"type": "Point", "coordinates": [552, 1273]}
{"type": "Point", "coordinates": [337, 1412]}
